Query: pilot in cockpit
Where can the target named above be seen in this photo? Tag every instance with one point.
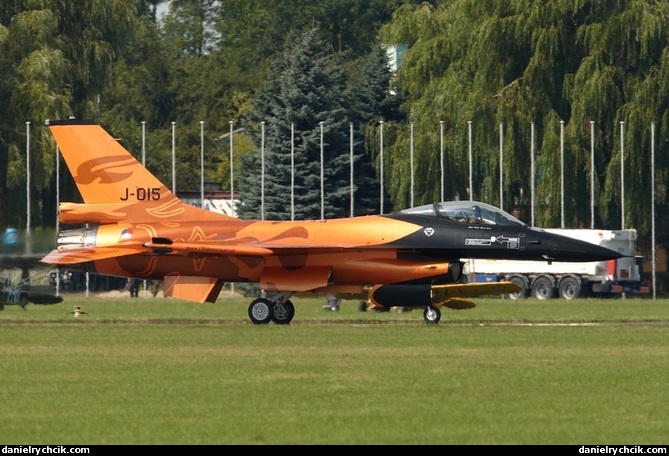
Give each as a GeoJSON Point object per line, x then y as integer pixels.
{"type": "Point", "coordinates": [475, 216]}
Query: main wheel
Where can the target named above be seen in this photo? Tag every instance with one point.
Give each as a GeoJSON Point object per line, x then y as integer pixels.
{"type": "Point", "coordinates": [283, 313]}
{"type": "Point", "coordinates": [260, 311]}
{"type": "Point", "coordinates": [432, 315]}
{"type": "Point", "coordinates": [569, 288]}
{"type": "Point", "coordinates": [542, 288]}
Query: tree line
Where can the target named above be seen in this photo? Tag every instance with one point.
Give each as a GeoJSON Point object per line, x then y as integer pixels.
{"type": "Point", "coordinates": [560, 77]}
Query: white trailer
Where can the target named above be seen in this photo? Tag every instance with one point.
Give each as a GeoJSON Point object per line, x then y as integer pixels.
{"type": "Point", "coordinates": [545, 280]}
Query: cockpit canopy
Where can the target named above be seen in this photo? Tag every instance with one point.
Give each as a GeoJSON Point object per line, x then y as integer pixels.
{"type": "Point", "coordinates": [467, 212]}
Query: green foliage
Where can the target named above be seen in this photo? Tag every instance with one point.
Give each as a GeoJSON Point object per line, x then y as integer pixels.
{"type": "Point", "coordinates": [300, 122]}
{"type": "Point", "coordinates": [189, 26]}
{"type": "Point", "coordinates": [535, 64]}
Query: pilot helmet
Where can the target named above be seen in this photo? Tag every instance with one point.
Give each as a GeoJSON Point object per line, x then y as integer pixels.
{"type": "Point", "coordinates": [477, 211]}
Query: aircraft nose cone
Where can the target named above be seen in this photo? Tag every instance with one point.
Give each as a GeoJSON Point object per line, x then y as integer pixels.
{"type": "Point", "coordinates": [567, 249]}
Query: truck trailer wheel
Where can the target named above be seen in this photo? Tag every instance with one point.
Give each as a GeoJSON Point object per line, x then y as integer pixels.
{"type": "Point", "coordinates": [542, 288]}
{"type": "Point", "coordinates": [570, 288]}
{"type": "Point", "coordinates": [519, 280]}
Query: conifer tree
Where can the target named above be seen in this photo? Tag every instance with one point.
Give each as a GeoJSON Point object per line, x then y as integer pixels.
{"type": "Point", "coordinates": [308, 86]}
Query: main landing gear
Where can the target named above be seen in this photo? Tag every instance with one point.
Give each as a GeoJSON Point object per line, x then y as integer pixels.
{"type": "Point", "coordinates": [277, 308]}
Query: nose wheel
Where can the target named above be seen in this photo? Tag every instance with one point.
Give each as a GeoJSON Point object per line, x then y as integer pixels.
{"type": "Point", "coordinates": [432, 315]}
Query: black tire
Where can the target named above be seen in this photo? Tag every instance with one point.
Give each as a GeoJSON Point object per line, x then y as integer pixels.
{"type": "Point", "coordinates": [260, 311]}
{"type": "Point", "coordinates": [282, 314]}
{"type": "Point", "coordinates": [432, 315]}
{"type": "Point", "coordinates": [542, 288]}
{"type": "Point", "coordinates": [518, 280]}
{"type": "Point", "coordinates": [569, 288]}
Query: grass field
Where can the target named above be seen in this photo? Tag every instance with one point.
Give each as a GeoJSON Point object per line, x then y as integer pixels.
{"type": "Point", "coordinates": [162, 371]}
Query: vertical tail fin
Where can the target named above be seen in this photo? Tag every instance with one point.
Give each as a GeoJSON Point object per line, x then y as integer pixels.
{"type": "Point", "coordinates": [104, 171]}
{"type": "Point", "coordinates": [113, 184]}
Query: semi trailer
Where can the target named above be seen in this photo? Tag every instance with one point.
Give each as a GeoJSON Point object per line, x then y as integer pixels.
{"type": "Point", "coordinates": [546, 279]}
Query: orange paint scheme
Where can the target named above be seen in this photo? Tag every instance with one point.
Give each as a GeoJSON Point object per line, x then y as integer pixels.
{"type": "Point", "coordinates": [136, 227]}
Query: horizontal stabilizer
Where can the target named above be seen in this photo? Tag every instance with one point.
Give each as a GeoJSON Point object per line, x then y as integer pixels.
{"type": "Point", "coordinates": [86, 254]}
{"type": "Point", "coordinates": [42, 298]}
{"type": "Point", "coordinates": [192, 288]}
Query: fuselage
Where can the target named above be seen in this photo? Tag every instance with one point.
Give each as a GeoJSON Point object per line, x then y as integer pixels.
{"type": "Point", "coordinates": [420, 245]}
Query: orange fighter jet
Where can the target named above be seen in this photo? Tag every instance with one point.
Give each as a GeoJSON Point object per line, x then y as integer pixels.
{"type": "Point", "coordinates": [134, 226]}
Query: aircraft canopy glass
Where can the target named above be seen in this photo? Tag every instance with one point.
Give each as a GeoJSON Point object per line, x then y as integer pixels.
{"type": "Point", "coordinates": [467, 212]}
